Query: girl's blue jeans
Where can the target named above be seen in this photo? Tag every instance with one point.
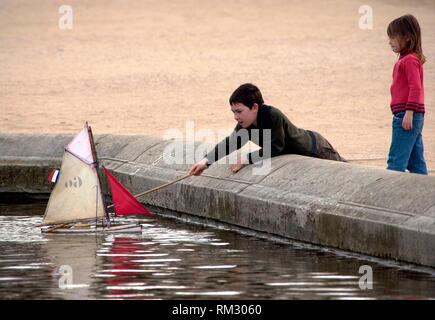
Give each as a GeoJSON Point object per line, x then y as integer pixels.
{"type": "Point", "coordinates": [406, 150]}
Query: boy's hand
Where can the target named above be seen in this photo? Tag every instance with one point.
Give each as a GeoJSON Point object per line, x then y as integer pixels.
{"type": "Point", "coordinates": [241, 162]}
{"type": "Point", "coordinates": [236, 167]}
{"type": "Point", "coordinates": [407, 120]}
{"type": "Point", "coordinates": [199, 167]}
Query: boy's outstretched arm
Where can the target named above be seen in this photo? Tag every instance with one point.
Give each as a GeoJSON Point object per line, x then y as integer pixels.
{"type": "Point", "coordinates": [222, 149]}
{"type": "Point", "coordinates": [199, 167]}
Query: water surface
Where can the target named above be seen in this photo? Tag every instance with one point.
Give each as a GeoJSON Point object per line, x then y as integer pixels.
{"type": "Point", "coordinates": [173, 259]}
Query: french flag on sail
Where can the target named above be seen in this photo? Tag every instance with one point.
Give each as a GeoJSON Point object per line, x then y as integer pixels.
{"type": "Point", "coordinates": [54, 175]}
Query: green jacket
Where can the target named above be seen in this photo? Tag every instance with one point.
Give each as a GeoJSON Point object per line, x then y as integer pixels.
{"type": "Point", "coordinates": [285, 137]}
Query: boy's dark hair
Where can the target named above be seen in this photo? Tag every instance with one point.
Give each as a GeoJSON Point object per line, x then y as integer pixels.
{"type": "Point", "coordinates": [407, 26]}
{"type": "Point", "coordinates": [248, 94]}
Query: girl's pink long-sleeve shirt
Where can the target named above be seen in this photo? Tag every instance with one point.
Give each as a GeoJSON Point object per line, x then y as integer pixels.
{"type": "Point", "coordinates": [407, 91]}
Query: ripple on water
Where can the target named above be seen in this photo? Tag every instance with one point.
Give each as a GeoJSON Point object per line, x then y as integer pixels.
{"type": "Point", "coordinates": [209, 293]}
{"type": "Point", "coordinates": [215, 267]}
{"type": "Point", "coordinates": [144, 287]}
{"type": "Point", "coordinates": [20, 229]}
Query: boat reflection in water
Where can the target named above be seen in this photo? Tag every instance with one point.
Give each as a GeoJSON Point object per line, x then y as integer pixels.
{"type": "Point", "coordinates": [74, 263]}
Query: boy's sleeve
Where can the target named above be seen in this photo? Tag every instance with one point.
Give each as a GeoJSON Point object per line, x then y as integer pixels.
{"type": "Point", "coordinates": [226, 146]}
{"type": "Point", "coordinates": [277, 142]}
{"type": "Point", "coordinates": [415, 96]}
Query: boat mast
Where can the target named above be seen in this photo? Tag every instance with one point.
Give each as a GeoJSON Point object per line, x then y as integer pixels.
{"type": "Point", "coordinates": [97, 166]}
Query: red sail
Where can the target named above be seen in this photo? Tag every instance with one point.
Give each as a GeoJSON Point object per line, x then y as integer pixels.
{"type": "Point", "coordinates": [124, 202]}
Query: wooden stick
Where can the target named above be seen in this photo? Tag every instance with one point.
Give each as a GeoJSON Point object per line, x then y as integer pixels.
{"type": "Point", "coordinates": [57, 227]}
{"type": "Point", "coordinates": [158, 188]}
{"type": "Point", "coordinates": [46, 224]}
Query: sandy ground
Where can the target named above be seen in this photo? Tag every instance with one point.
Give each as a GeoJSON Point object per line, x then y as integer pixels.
{"type": "Point", "coordinates": [145, 67]}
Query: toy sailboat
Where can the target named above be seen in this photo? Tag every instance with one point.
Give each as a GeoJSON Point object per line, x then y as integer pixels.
{"type": "Point", "coordinates": [76, 204]}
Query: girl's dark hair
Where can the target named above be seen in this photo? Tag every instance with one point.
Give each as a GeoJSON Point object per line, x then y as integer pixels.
{"type": "Point", "coordinates": [248, 94]}
{"type": "Point", "coordinates": [407, 26]}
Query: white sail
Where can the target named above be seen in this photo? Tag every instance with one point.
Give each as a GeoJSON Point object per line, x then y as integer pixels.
{"type": "Point", "coordinates": [80, 146]}
{"type": "Point", "coordinates": [77, 194]}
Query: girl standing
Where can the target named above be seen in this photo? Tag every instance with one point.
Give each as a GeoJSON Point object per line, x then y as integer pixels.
{"type": "Point", "coordinates": [407, 97]}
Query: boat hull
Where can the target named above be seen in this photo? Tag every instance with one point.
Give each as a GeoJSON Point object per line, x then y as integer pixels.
{"type": "Point", "coordinates": [114, 228]}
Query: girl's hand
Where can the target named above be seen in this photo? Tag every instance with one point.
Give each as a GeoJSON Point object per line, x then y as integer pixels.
{"type": "Point", "coordinates": [199, 167]}
{"type": "Point", "coordinates": [407, 120]}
